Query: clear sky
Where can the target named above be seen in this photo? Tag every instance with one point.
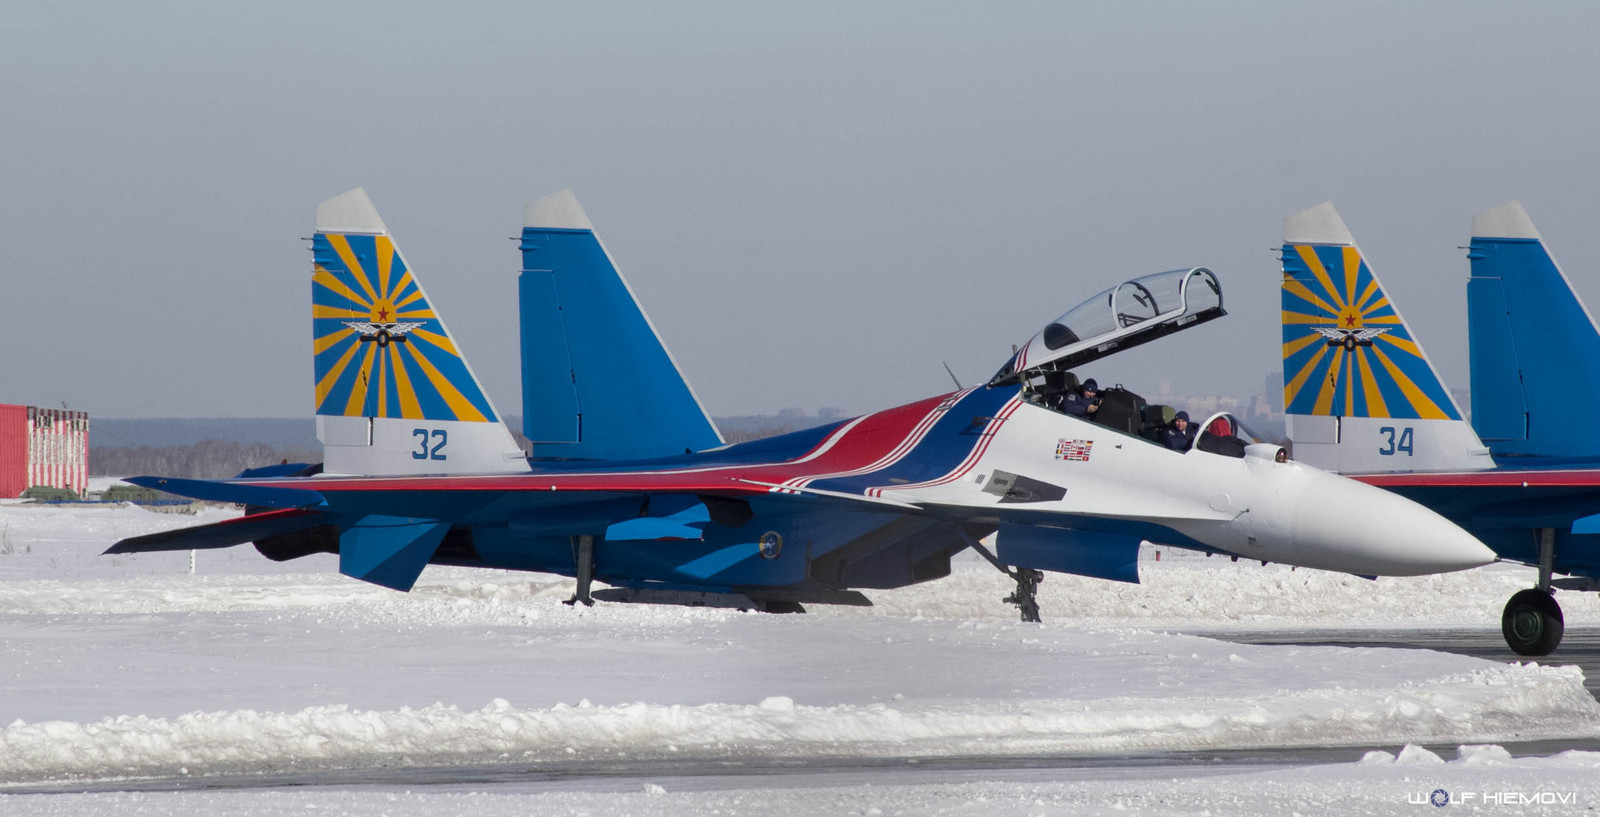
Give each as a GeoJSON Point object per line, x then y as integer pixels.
{"type": "Point", "coordinates": [817, 203]}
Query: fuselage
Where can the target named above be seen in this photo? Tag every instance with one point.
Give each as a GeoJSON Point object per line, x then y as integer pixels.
{"type": "Point", "coordinates": [972, 459]}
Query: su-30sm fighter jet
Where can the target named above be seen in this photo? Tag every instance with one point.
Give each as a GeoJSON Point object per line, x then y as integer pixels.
{"type": "Point", "coordinates": [1379, 411]}
{"type": "Point", "coordinates": [420, 470]}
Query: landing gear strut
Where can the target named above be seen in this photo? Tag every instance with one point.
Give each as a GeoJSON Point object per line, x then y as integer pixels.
{"type": "Point", "coordinates": [1025, 597]}
{"type": "Point", "coordinates": [1532, 622]}
{"type": "Point", "coordinates": [583, 569]}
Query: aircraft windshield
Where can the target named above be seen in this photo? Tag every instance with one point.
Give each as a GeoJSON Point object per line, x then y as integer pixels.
{"type": "Point", "coordinates": [1125, 315]}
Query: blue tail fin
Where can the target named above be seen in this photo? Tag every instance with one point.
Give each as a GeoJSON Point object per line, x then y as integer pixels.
{"type": "Point", "coordinates": [1360, 393]}
{"type": "Point", "coordinates": [1534, 347]}
{"type": "Point", "coordinates": [597, 382]}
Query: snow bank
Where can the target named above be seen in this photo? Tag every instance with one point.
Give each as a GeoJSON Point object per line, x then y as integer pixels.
{"type": "Point", "coordinates": [1495, 703]}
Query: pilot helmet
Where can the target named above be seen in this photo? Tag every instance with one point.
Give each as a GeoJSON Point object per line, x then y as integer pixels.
{"type": "Point", "coordinates": [1090, 385]}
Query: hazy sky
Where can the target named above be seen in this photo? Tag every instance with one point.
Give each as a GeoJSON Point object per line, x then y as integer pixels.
{"type": "Point", "coordinates": [817, 203]}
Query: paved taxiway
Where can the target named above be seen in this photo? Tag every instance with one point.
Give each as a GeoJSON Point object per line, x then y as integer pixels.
{"type": "Point", "coordinates": [1581, 646]}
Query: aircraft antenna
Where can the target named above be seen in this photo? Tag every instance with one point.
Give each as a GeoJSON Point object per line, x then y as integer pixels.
{"type": "Point", "coordinates": [953, 376]}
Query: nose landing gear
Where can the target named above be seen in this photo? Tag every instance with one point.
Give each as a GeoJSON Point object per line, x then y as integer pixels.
{"type": "Point", "coordinates": [1026, 596]}
{"type": "Point", "coordinates": [1532, 622]}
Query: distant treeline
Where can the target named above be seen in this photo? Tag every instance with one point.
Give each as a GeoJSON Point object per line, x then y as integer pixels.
{"type": "Point", "coordinates": [207, 459]}
{"type": "Point", "coordinates": [111, 432]}
{"type": "Point", "coordinates": [744, 435]}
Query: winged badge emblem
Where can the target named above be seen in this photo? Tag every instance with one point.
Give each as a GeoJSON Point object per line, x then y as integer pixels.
{"type": "Point", "coordinates": [1350, 338]}
{"type": "Point", "coordinates": [383, 333]}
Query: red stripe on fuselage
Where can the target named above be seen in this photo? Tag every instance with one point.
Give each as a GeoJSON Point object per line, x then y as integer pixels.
{"type": "Point", "coordinates": [1493, 478]}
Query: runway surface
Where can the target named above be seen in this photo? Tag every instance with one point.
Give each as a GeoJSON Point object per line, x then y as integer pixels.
{"type": "Point", "coordinates": [1581, 646]}
{"type": "Point", "coordinates": [786, 773]}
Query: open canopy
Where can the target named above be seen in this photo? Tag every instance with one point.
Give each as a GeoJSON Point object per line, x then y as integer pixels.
{"type": "Point", "coordinates": [1131, 313]}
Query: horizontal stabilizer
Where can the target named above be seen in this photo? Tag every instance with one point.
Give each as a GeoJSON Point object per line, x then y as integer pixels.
{"type": "Point", "coordinates": [1094, 554]}
{"type": "Point", "coordinates": [223, 534]}
{"type": "Point", "coordinates": [237, 493]}
{"type": "Point", "coordinates": [390, 551]}
{"type": "Point", "coordinates": [288, 469]}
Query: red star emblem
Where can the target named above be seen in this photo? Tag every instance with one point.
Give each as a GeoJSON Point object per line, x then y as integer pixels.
{"type": "Point", "coordinates": [1350, 320]}
{"type": "Point", "coordinates": [383, 315]}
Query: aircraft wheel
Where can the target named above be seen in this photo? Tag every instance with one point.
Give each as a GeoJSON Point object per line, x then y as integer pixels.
{"type": "Point", "coordinates": [1532, 623]}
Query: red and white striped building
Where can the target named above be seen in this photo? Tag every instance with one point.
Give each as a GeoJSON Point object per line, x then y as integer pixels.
{"type": "Point", "coordinates": [40, 446]}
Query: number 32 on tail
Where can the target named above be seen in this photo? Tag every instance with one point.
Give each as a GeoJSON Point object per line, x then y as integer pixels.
{"type": "Point", "coordinates": [430, 444]}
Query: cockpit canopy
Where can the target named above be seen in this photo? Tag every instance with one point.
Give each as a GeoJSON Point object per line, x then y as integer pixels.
{"type": "Point", "coordinates": [1126, 315]}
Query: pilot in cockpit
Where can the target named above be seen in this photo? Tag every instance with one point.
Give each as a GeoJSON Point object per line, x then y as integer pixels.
{"type": "Point", "coordinates": [1084, 402]}
{"type": "Point", "coordinates": [1179, 435]}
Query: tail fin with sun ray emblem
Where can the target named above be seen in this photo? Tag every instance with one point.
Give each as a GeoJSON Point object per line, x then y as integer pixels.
{"type": "Point", "coordinates": [394, 395]}
{"type": "Point", "coordinates": [1360, 394]}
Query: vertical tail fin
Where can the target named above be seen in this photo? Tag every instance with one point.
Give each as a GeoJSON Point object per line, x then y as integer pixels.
{"type": "Point", "coordinates": [1534, 348]}
{"type": "Point", "coordinates": [394, 394]}
{"type": "Point", "coordinates": [597, 382]}
{"type": "Point", "coordinates": [1360, 393]}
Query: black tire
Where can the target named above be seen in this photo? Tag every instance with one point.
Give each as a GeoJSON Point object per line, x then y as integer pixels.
{"type": "Point", "coordinates": [1532, 623]}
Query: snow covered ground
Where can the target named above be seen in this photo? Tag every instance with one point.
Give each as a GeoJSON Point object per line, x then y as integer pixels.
{"type": "Point", "coordinates": [131, 667]}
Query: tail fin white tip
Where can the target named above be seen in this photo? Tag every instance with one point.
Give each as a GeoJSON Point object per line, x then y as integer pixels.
{"type": "Point", "coordinates": [559, 210]}
{"type": "Point", "coordinates": [1317, 225]}
{"type": "Point", "coordinates": [1508, 220]}
{"type": "Point", "coordinates": [350, 212]}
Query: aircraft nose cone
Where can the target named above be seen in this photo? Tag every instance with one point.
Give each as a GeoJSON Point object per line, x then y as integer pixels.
{"type": "Point", "coordinates": [1374, 532]}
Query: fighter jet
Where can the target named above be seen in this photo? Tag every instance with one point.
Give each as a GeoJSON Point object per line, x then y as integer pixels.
{"type": "Point", "coordinates": [1382, 415]}
{"type": "Point", "coordinates": [419, 469]}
